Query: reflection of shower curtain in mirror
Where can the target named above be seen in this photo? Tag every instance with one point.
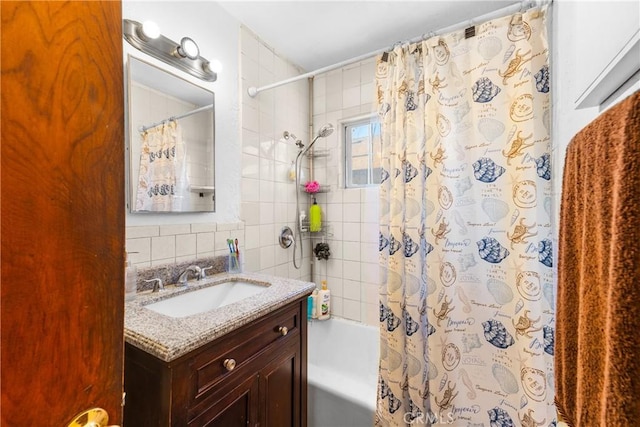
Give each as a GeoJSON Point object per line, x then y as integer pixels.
{"type": "Point", "coordinates": [162, 176]}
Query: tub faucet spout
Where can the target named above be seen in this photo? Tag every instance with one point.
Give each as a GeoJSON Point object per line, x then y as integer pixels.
{"type": "Point", "coordinates": [184, 277]}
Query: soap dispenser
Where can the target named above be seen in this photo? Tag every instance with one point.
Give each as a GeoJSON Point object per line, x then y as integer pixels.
{"type": "Point", "coordinates": [130, 280]}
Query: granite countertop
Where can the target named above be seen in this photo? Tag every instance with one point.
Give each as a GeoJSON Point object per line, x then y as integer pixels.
{"type": "Point", "coordinates": [168, 338]}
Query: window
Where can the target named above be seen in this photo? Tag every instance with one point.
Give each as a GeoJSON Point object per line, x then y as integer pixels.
{"type": "Point", "coordinates": [362, 152]}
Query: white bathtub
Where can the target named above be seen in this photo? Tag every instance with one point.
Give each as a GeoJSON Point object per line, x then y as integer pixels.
{"type": "Point", "coordinates": [342, 373]}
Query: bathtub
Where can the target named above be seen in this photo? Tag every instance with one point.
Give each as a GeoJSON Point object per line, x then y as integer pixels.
{"type": "Point", "coordinates": [342, 373]}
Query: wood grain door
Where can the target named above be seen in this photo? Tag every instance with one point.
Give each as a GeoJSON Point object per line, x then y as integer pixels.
{"type": "Point", "coordinates": [62, 211]}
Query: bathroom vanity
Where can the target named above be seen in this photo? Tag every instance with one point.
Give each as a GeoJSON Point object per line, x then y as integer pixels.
{"type": "Point", "coordinates": [243, 364]}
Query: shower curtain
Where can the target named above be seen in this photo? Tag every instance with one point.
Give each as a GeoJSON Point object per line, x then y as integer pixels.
{"type": "Point", "coordinates": [162, 177]}
{"type": "Point", "coordinates": [467, 301]}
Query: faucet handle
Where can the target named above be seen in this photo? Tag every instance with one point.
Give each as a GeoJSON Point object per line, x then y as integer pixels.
{"type": "Point", "coordinates": [157, 286]}
{"type": "Point", "coordinates": [203, 271]}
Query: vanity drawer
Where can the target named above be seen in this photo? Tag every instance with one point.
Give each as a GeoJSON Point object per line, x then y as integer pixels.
{"type": "Point", "coordinates": [229, 358]}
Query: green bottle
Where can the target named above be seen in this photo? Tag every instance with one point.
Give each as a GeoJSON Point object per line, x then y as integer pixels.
{"type": "Point", "coordinates": [315, 217]}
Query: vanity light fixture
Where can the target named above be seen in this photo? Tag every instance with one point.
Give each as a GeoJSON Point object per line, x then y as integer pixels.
{"type": "Point", "coordinates": [184, 55]}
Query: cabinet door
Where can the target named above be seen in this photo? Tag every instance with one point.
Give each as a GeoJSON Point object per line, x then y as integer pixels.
{"type": "Point", "coordinates": [280, 387]}
{"type": "Point", "coordinates": [238, 408]}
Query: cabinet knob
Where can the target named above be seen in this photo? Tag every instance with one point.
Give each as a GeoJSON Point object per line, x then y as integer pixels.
{"type": "Point", "coordinates": [283, 330]}
{"type": "Point", "coordinates": [229, 364]}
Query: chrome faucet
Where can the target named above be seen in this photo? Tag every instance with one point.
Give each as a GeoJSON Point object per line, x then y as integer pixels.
{"type": "Point", "coordinates": [184, 277]}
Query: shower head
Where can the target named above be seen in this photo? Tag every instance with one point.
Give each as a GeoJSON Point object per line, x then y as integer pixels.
{"type": "Point", "coordinates": [287, 135]}
{"type": "Point", "coordinates": [325, 130]}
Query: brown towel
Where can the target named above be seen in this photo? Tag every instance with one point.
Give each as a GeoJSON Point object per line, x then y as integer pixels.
{"type": "Point", "coordinates": [597, 343]}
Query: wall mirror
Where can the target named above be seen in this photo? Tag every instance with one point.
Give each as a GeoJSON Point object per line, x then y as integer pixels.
{"type": "Point", "coordinates": [170, 142]}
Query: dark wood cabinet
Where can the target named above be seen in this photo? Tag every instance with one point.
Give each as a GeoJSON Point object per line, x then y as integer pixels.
{"type": "Point", "coordinates": [253, 376]}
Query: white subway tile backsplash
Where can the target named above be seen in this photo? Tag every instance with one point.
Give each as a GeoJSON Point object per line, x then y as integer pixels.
{"type": "Point", "coordinates": [166, 230]}
{"type": "Point", "coordinates": [143, 231]}
{"type": "Point", "coordinates": [203, 227]}
{"type": "Point", "coordinates": [185, 245]}
{"type": "Point", "coordinates": [220, 241]}
{"type": "Point", "coordinates": [205, 243]}
{"type": "Point", "coordinates": [139, 250]}
{"type": "Point", "coordinates": [229, 226]}
{"type": "Point", "coordinates": [163, 247]}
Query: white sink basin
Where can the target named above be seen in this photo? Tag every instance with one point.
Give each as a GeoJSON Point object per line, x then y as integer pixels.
{"type": "Point", "coordinates": [206, 299]}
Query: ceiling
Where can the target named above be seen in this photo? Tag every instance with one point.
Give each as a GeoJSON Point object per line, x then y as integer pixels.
{"type": "Point", "coordinates": [315, 34]}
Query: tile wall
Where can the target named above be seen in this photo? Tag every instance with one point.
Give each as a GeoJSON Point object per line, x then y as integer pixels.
{"type": "Point", "coordinates": [153, 245]}
{"type": "Point", "coordinates": [352, 272]}
{"type": "Point", "coordinates": [268, 196]}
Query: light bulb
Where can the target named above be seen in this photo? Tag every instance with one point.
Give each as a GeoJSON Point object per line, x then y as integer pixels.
{"type": "Point", "coordinates": [188, 48]}
{"type": "Point", "coordinates": [150, 30]}
{"type": "Point", "coordinates": [215, 66]}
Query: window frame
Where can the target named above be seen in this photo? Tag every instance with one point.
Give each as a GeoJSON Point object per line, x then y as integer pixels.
{"type": "Point", "coordinates": [346, 126]}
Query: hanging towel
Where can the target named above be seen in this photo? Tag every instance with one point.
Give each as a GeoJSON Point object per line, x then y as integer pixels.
{"type": "Point", "coordinates": [597, 343]}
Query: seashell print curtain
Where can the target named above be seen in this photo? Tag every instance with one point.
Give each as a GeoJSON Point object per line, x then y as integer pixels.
{"type": "Point", "coordinates": [467, 304]}
{"type": "Point", "coordinates": [162, 176]}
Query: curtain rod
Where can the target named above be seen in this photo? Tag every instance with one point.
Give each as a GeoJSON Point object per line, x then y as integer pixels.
{"type": "Point", "coordinates": [521, 6]}
{"type": "Point", "coordinates": [174, 118]}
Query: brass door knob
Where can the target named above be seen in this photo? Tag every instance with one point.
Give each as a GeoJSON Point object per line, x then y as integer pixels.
{"type": "Point", "coordinates": [96, 417]}
{"type": "Point", "coordinates": [283, 330]}
{"type": "Point", "coordinates": [229, 364]}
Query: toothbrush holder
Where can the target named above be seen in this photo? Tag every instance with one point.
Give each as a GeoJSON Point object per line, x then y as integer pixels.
{"type": "Point", "coordinates": [234, 265]}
